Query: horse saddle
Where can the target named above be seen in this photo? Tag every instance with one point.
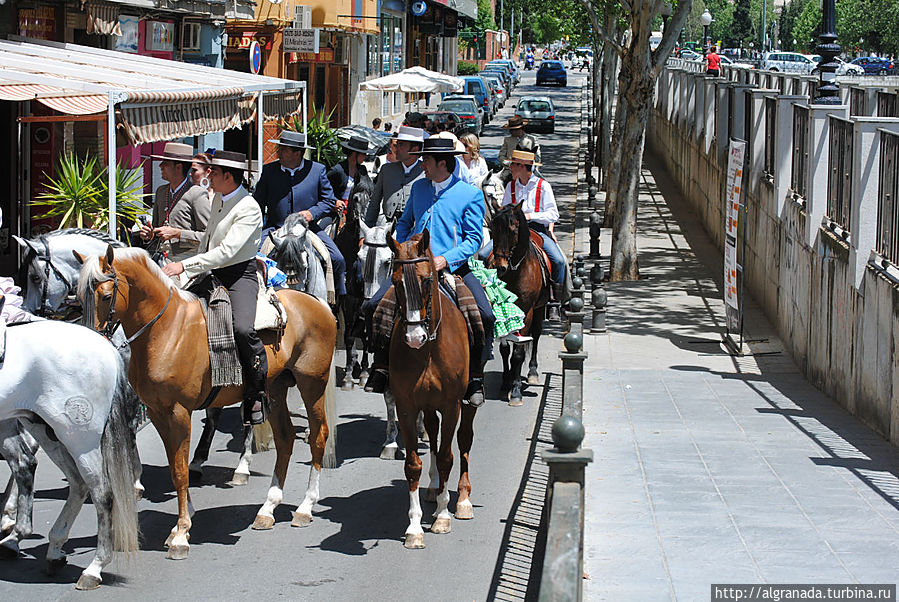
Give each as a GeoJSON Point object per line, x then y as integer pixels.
{"type": "Point", "coordinates": [537, 241]}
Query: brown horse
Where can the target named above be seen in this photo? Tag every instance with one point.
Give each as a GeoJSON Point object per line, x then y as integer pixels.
{"type": "Point", "coordinates": [520, 264]}
{"type": "Point", "coordinates": [170, 370]}
{"type": "Point", "coordinates": [429, 373]}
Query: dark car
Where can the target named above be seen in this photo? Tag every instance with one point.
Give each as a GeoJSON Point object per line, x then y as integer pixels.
{"type": "Point", "coordinates": [539, 112]}
{"type": "Point", "coordinates": [466, 107]}
{"type": "Point", "coordinates": [444, 121]}
{"type": "Point", "coordinates": [552, 71]}
{"type": "Point", "coordinates": [875, 65]}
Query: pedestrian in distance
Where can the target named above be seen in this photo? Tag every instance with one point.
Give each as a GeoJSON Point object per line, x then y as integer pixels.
{"type": "Point", "coordinates": [388, 126]}
{"type": "Point", "coordinates": [376, 123]}
{"type": "Point", "coordinates": [712, 62]}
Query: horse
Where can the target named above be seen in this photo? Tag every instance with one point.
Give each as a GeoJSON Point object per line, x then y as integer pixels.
{"type": "Point", "coordinates": [67, 385]}
{"type": "Point", "coordinates": [291, 247]}
{"type": "Point", "coordinates": [429, 373]}
{"type": "Point", "coordinates": [519, 263]}
{"type": "Point", "coordinates": [170, 370]}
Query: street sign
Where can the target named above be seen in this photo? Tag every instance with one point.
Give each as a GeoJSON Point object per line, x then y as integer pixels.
{"type": "Point", "coordinates": [300, 40]}
{"type": "Point", "coordinates": [255, 57]}
{"type": "Point", "coordinates": [735, 234]}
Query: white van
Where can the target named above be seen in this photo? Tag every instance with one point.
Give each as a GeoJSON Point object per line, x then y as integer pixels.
{"type": "Point", "coordinates": [787, 62]}
{"type": "Point", "coordinates": [655, 38]}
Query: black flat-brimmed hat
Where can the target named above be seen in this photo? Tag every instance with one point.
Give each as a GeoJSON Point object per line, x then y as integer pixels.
{"type": "Point", "coordinates": [231, 159]}
{"type": "Point", "coordinates": [292, 140]}
{"type": "Point", "coordinates": [437, 146]}
{"type": "Point", "coordinates": [357, 144]}
{"type": "Point", "coordinates": [175, 151]}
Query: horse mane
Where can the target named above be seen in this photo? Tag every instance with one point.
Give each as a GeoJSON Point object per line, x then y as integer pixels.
{"type": "Point", "coordinates": [91, 273]}
{"type": "Point", "coordinates": [98, 234]}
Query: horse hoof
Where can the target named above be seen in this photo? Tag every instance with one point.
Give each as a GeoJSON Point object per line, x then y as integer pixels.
{"type": "Point", "coordinates": [56, 565]}
{"type": "Point", "coordinates": [430, 495]}
{"type": "Point", "coordinates": [86, 582]}
{"type": "Point", "coordinates": [301, 520]}
{"type": "Point", "coordinates": [139, 493]}
{"type": "Point", "coordinates": [442, 525]}
{"type": "Point", "coordinates": [389, 452]}
{"type": "Point", "coordinates": [363, 376]}
{"type": "Point", "coordinates": [195, 470]}
{"type": "Point", "coordinates": [239, 479]}
{"type": "Point", "coordinates": [178, 552]}
{"type": "Point", "coordinates": [414, 541]}
{"type": "Point", "coordinates": [263, 523]}
{"type": "Point", "coordinates": [533, 379]}
{"type": "Point", "coordinates": [464, 510]}
{"type": "Point", "coordinates": [347, 385]}
{"type": "Point", "coordinates": [516, 402]}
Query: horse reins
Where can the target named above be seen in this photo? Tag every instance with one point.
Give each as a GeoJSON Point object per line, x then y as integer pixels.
{"type": "Point", "coordinates": [408, 276]}
{"type": "Point", "coordinates": [48, 267]}
{"type": "Point", "coordinates": [112, 323]}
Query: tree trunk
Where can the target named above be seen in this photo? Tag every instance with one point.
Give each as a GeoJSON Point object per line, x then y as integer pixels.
{"type": "Point", "coordinates": [607, 96]}
{"type": "Point", "coordinates": [615, 151]}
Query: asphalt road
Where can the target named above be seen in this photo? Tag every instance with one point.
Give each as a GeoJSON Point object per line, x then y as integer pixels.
{"type": "Point", "coordinates": [353, 549]}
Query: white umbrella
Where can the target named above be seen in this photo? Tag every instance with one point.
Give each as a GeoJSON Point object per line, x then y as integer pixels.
{"type": "Point", "coordinates": [415, 79]}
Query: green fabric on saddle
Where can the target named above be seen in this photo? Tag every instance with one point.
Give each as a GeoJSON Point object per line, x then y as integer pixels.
{"type": "Point", "coordinates": [509, 317]}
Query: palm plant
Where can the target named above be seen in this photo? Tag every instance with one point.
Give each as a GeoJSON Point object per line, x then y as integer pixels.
{"type": "Point", "coordinates": [319, 135]}
{"type": "Point", "coordinates": [79, 194]}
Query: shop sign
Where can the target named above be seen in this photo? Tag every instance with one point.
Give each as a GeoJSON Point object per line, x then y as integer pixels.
{"type": "Point", "coordinates": [127, 42]}
{"type": "Point", "coordinates": [243, 40]}
{"type": "Point", "coordinates": [160, 36]}
{"type": "Point", "coordinates": [324, 55]}
{"type": "Point", "coordinates": [38, 23]}
{"type": "Point", "coordinates": [301, 40]}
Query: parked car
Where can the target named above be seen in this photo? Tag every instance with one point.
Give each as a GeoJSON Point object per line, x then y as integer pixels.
{"type": "Point", "coordinates": [500, 72]}
{"type": "Point", "coordinates": [468, 109]}
{"type": "Point", "coordinates": [477, 87]}
{"type": "Point", "coordinates": [725, 60]}
{"type": "Point", "coordinates": [540, 113]}
{"type": "Point", "coordinates": [552, 71]}
{"type": "Point", "coordinates": [498, 87]}
{"type": "Point", "coordinates": [513, 66]}
{"type": "Point", "coordinates": [843, 69]}
{"type": "Point", "coordinates": [875, 65]}
{"type": "Point", "coordinates": [787, 62]}
{"type": "Point", "coordinates": [690, 55]}
{"type": "Point", "coordinates": [445, 121]}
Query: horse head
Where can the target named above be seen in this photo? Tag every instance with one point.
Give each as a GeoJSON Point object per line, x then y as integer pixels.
{"type": "Point", "coordinates": [414, 281]}
{"type": "Point", "coordinates": [493, 189]}
{"type": "Point", "coordinates": [375, 257]}
{"type": "Point", "coordinates": [290, 248]}
{"type": "Point", "coordinates": [510, 235]}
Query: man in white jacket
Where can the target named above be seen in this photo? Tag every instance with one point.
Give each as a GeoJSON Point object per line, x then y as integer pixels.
{"type": "Point", "coordinates": [228, 248]}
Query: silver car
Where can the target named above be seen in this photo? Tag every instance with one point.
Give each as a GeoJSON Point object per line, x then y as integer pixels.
{"type": "Point", "coordinates": [540, 113]}
{"type": "Point", "coordinates": [498, 88]}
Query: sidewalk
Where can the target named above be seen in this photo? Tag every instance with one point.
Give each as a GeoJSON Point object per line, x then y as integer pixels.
{"type": "Point", "coordinates": [713, 469]}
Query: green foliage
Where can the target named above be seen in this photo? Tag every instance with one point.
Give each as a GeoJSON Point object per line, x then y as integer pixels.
{"type": "Point", "coordinates": [79, 194]}
{"type": "Point", "coordinates": [789, 14]}
{"type": "Point", "coordinates": [467, 68]}
{"type": "Point", "coordinates": [319, 135]}
{"type": "Point", "coordinates": [806, 27]}
{"type": "Point", "coordinates": [741, 30]}
{"type": "Point", "coordinates": [485, 18]}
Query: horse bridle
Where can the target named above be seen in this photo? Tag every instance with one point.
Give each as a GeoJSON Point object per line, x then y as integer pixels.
{"type": "Point", "coordinates": [408, 274]}
{"type": "Point", "coordinates": [49, 267]}
{"type": "Point", "coordinates": [112, 323]}
{"type": "Point", "coordinates": [508, 256]}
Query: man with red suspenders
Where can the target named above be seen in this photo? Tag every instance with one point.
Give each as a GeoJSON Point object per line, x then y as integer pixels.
{"type": "Point", "coordinates": [538, 203]}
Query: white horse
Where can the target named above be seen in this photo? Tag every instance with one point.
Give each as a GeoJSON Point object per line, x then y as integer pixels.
{"type": "Point", "coordinates": [67, 385]}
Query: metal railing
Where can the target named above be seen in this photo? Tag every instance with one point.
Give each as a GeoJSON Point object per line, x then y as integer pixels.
{"type": "Point", "coordinates": [799, 169]}
{"type": "Point", "coordinates": [887, 104]}
{"type": "Point", "coordinates": [770, 135]}
{"type": "Point", "coordinates": [888, 191]}
{"type": "Point", "coordinates": [839, 172]}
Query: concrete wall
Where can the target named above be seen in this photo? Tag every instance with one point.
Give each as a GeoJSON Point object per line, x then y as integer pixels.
{"type": "Point", "coordinates": [833, 302]}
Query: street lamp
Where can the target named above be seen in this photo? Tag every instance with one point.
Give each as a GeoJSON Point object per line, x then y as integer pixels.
{"type": "Point", "coordinates": [706, 20]}
{"type": "Point", "coordinates": [827, 92]}
{"type": "Point", "coordinates": [666, 12]}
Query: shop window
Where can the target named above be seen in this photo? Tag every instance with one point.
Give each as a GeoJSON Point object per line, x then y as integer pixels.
{"type": "Point", "coordinates": [190, 39]}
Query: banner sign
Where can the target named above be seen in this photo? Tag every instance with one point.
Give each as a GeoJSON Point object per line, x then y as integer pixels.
{"type": "Point", "coordinates": [300, 40]}
{"type": "Point", "coordinates": [733, 271]}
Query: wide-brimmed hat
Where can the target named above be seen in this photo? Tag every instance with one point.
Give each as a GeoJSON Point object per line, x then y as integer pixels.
{"type": "Point", "coordinates": [515, 121]}
{"type": "Point", "coordinates": [174, 151]}
{"type": "Point", "coordinates": [437, 146]}
{"type": "Point", "coordinates": [410, 134]}
{"type": "Point", "coordinates": [523, 157]}
{"type": "Point", "coordinates": [292, 140]}
{"type": "Point", "coordinates": [457, 144]}
{"type": "Point", "coordinates": [357, 144]}
{"type": "Point", "coordinates": [230, 159]}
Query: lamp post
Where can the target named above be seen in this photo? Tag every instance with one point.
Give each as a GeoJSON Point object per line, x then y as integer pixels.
{"type": "Point", "coordinates": [706, 20]}
{"type": "Point", "coordinates": [827, 92]}
{"type": "Point", "coordinates": [666, 13]}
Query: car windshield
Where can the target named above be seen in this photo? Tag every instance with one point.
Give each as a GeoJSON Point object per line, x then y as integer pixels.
{"type": "Point", "coordinates": [457, 106]}
{"type": "Point", "coordinates": [551, 65]}
{"type": "Point", "coordinates": [534, 105]}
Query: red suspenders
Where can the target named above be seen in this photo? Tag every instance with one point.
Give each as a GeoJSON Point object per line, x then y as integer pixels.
{"type": "Point", "coordinates": [539, 193]}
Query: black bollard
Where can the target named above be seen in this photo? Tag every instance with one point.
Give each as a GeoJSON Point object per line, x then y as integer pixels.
{"type": "Point", "coordinates": [595, 230]}
{"type": "Point", "coordinates": [575, 315]}
{"type": "Point", "coordinates": [600, 300]}
{"type": "Point", "coordinates": [573, 375]}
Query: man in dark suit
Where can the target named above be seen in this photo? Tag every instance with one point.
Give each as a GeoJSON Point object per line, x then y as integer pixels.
{"type": "Point", "coordinates": [394, 182]}
{"type": "Point", "coordinates": [294, 184]}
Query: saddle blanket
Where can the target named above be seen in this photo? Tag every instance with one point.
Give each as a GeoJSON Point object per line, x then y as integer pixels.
{"type": "Point", "coordinates": [385, 314]}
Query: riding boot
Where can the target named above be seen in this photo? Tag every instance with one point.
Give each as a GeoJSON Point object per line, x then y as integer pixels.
{"type": "Point", "coordinates": [377, 380]}
{"type": "Point", "coordinates": [256, 402]}
{"type": "Point", "coordinates": [474, 394]}
{"type": "Point", "coordinates": [554, 303]}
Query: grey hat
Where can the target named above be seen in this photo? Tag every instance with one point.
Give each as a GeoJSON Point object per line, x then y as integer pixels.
{"type": "Point", "coordinates": [292, 140]}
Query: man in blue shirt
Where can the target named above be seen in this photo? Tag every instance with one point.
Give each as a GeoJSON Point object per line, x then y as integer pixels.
{"type": "Point", "coordinates": [453, 213]}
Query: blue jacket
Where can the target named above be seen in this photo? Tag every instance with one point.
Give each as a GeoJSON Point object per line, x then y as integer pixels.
{"type": "Point", "coordinates": [279, 199]}
{"type": "Point", "coordinates": [454, 219]}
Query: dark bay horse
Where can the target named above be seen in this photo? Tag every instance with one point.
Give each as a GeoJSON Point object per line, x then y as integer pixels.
{"type": "Point", "coordinates": [520, 264]}
{"type": "Point", "coordinates": [429, 373]}
{"type": "Point", "coordinates": [170, 370]}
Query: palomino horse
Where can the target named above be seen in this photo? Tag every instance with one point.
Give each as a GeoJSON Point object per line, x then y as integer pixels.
{"type": "Point", "coordinates": [519, 263]}
{"type": "Point", "coordinates": [429, 373]}
{"type": "Point", "coordinates": [68, 387]}
{"type": "Point", "coordinates": [170, 370]}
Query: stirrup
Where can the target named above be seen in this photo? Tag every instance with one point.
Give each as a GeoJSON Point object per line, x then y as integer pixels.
{"type": "Point", "coordinates": [516, 337]}
{"type": "Point", "coordinates": [253, 416]}
{"type": "Point", "coordinates": [377, 381]}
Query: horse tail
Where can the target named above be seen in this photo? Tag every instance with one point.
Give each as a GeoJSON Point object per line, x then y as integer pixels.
{"type": "Point", "coordinates": [330, 457]}
{"type": "Point", "coordinates": [119, 454]}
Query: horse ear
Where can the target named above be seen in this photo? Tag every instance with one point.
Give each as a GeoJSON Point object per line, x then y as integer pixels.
{"type": "Point", "coordinates": [365, 229]}
{"type": "Point", "coordinates": [26, 246]}
{"type": "Point", "coordinates": [275, 240]}
{"type": "Point", "coordinates": [79, 257]}
{"type": "Point", "coordinates": [425, 243]}
{"type": "Point", "coordinates": [393, 244]}
{"type": "Point", "coordinates": [110, 254]}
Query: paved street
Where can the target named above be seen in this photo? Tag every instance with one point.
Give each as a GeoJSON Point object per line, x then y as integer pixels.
{"type": "Point", "coordinates": [353, 549]}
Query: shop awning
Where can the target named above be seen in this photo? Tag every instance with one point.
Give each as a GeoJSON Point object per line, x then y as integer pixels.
{"type": "Point", "coordinates": [156, 99]}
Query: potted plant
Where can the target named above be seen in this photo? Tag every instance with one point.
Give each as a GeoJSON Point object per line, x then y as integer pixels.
{"type": "Point", "coordinates": [319, 135]}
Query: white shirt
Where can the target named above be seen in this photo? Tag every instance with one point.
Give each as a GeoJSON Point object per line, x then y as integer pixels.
{"type": "Point", "coordinates": [462, 172]}
{"type": "Point", "coordinates": [349, 188]}
{"type": "Point", "coordinates": [292, 170]}
{"type": "Point", "coordinates": [526, 196]}
{"type": "Point", "coordinates": [180, 186]}
{"type": "Point", "coordinates": [439, 186]}
{"type": "Point", "coordinates": [406, 169]}
{"type": "Point", "coordinates": [478, 169]}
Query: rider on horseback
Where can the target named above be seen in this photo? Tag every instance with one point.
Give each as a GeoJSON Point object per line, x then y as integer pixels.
{"type": "Point", "coordinates": [228, 248]}
{"type": "Point", "coordinates": [453, 213]}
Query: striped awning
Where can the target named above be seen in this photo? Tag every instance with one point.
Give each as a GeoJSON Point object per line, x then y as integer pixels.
{"type": "Point", "coordinates": [103, 18]}
{"type": "Point", "coordinates": [56, 98]}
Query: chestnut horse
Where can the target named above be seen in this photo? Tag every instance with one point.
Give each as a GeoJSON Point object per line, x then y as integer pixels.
{"type": "Point", "coordinates": [520, 264]}
{"type": "Point", "coordinates": [429, 373]}
{"type": "Point", "coordinates": [170, 371]}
